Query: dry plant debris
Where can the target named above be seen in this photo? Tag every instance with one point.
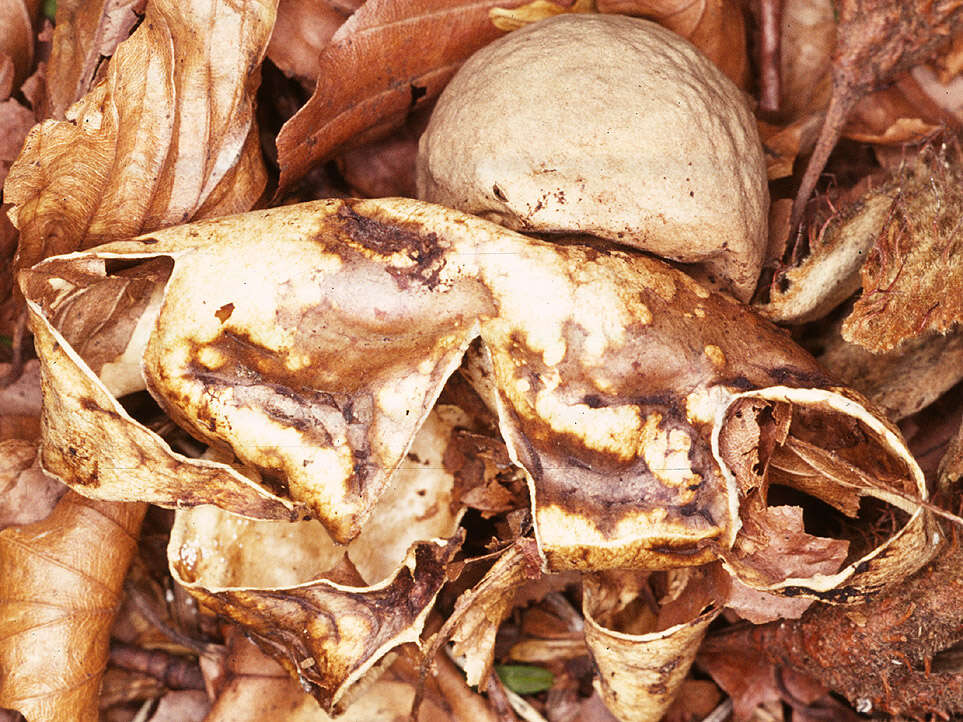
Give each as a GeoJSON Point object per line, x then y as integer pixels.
{"type": "Point", "coordinates": [542, 462]}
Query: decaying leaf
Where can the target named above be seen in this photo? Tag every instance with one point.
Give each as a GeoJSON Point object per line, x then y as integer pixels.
{"type": "Point", "coordinates": [379, 66]}
{"type": "Point", "coordinates": [640, 671]}
{"type": "Point", "coordinates": [62, 580]}
{"type": "Point", "coordinates": [912, 277]}
{"type": "Point", "coordinates": [481, 610]}
{"type": "Point", "coordinates": [875, 43]}
{"type": "Point", "coordinates": [16, 42]}
{"type": "Point", "coordinates": [831, 447]}
{"type": "Point", "coordinates": [614, 377]}
{"type": "Point", "coordinates": [86, 34]}
{"type": "Point", "coordinates": [157, 142]}
{"type": "Point", "coordinates": [302, 30]}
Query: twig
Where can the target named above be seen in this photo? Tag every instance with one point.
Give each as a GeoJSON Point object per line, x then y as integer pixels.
{"type": "Point", "coordinates": [770, 31]}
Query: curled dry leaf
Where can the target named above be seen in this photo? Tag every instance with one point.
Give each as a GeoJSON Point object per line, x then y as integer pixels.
{"type": "Point", "coordinates": [716, 27]}
{"type": "Point", "coordinates": [381, 64]}
{"type": "Point", "coordinates": [62, 586]}
{"type": "Point", "coordinates": [86, 34]}
{"type": "Point", "coordinates": [157, 142]}
{"type": "Point", "coordinates": [876, 42]}
{"type": "Point", "coordinates": [912, 277]}
{"type": "Point", "coordinates": [16, 43]}
{"type": "Point", "coordinates": [830, 446]}
{"type": "Point", "coordinates": [640, 672]}
{"type": "Point", "coordinates": [480, 611]}
{"type": "Point", "coordinates": [258, 573]}
{"type": "Point", "coordinates": [302, 30]}
{"type": "Point", "coordinates": [614, 377]}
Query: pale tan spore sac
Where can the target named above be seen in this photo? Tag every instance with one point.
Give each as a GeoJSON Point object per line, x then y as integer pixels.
{"type": "Point", "coordinates": [609, 126]}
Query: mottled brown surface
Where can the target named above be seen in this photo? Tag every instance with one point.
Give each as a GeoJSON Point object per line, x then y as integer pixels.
{"type": "Point", "coordinates": [329, 635]}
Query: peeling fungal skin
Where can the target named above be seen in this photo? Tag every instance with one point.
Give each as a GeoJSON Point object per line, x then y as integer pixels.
{"type": "Point", "coordinates": [311, 341]}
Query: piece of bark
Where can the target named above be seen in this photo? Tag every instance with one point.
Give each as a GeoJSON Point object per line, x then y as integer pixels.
{"type": "Point", "coordinates": [883, 655]}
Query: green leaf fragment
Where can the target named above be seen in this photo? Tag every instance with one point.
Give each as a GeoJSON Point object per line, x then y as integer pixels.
{"type": "Point", "coordinates": [524, 679]}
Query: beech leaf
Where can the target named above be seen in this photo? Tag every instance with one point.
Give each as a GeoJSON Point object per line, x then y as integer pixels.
{"type": "Point", "coordinates": [157, 142]}
{"type": "Point", "coordinates": [302, 30]}
{"type": "Point", "coordinates": [85, 34]}
{"type": "Point", "coordinates": [62, 586]}
{"type": "Point", "coordinates": [384, 62]}
{"type": "Point", "coordinates": [16, 42]}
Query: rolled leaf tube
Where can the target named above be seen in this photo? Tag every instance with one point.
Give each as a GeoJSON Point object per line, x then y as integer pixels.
{"type": "Point", "coordinates": [311, 342]}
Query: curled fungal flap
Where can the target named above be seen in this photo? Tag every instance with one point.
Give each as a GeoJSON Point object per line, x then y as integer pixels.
{"type": "Point", "coordinates": [274, 578]}
{"type": "Point", "coordinates": [825, 445]}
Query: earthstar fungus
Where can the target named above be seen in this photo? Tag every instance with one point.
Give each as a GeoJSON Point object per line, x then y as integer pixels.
{"type": "Point", "coordinates": [308, 344]}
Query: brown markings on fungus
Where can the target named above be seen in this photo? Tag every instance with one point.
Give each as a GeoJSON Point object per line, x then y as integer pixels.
{"type": "Point", "coordinates": [425, 250]}
{"type": "Point", "coordinates": [346, 629]}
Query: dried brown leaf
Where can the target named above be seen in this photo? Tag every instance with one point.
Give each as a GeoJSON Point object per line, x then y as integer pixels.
{"type": "Point", "coordinates": [15, 122]}
{"type": "Point", "coordinates": [62, 580]}
{"type": "Point", "coordinates": [302, 30]}
{"type": "Point", "coordinates": [27, 494]}
{"type": "Point", "coordinates": [167, 136]}
{"type": "Point", "coordinates": [17, 18]}
{"type": "Point", "coordinates": [384, 62]}
{"type": "Point", "coordinates": [912, 276]}
{"type": "Point", "coordinates": [901, 114]}
{"type": "Point", "coordinates": [480, 611]}
{"type": "Point", "coordinates": [85, 36]}
{"type": "Point", "coordinates": [716, 27]}
{"type": "Point", "coordinates": [838, 451]}
{"type": "Point", "coordinates": [875, 43]}
{"type": "Point", "coordinates": [774, 541]}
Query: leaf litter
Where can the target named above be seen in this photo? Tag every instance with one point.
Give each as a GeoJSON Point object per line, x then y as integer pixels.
{"type": "Point", "coordinates": [505, 519]}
